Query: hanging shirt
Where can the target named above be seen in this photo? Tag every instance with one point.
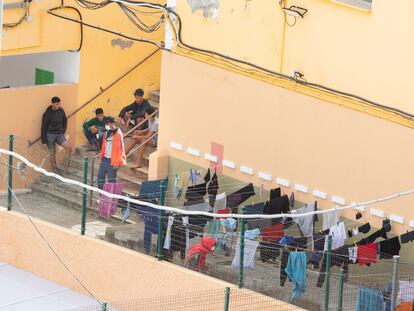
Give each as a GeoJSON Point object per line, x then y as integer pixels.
{"type": "Point", "coordinates": [389, 248]}
{"type": "Point", "coordinates": [252, 234]}
{"type": "Point", "coordinates": [238, 197]}
{"type": "Point", "coordinates": [305, 223]}
{"type": "Point", "coordinates": [369, 300]}
{"type": "Point", "coordinates": [407, 237]}
{"type": "Point", "coordinates": [167, 240]}
{"type": "Point", "coordinates": [275, 193]}
{"type": "Point", "coordinates": [296, 271]}
{"type": "Point", "coordinates": [277, 206]}
{"type": "Point", "coordinates": [259, 223]}
{"type": "Point", "coordinates": [272, 233]}
{"type": "Point", "coordinates": [367, 254]}
{"type": "Point", "coordinates": [220, 202]}
{"type": "Point", "coordinates": [338, 234]}
{"type": "Point", "coordinates": [330, 219]}
{"type": "Point", "coordinates": [254, 209]}
{"type": "Point", "coordinates": [353, 254]}
{"type": "Point", "coordinates": [406, 291]}
{"type": "Point", "coordinates": [250, 247]}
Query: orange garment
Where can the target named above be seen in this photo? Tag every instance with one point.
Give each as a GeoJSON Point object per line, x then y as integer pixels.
{"type": "Point", "coordinates": [118, 157]}
{"type": "Point", "coordinates": [405, 306]}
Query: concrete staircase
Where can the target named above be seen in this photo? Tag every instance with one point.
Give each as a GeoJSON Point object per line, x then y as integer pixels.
{"type": "Point", "coordinates": [72, 195]}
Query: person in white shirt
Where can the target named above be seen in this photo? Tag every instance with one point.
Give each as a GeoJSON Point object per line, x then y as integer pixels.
{"type": "Point", "coordinates": [147, 137]}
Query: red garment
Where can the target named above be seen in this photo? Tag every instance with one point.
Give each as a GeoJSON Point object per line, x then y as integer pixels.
{"type": "Point", "coordinates": [224, 211]}
{"type": "Point", "coordinates": [272, 233]}
{"type": "Point", "coordinates": [203, 249]}
{"type": "Point", "coordinates": [367, 254]}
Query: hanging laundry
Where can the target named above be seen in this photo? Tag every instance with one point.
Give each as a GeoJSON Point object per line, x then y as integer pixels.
{"type": "Point", "coordinates": [283, 264]}
{"type": "Point", "coordinates": [277, 206]}
{"type": "Point", "coordinates": [405, 306]}
{"type": "Point", "coordinates": [250, 247]}
{"type": "Point", "coordinates": [212, 190]}
{"type": "Point", "coordinates": [339, 258]}
{"type": "Point", "coordinates": [296, 272]}
{"type": "Point", "coordinates": [353, 254]}
{"type": "Point", "coordinates": [187, 233]}
{"type": "Point", "coordinates": [367, 254]}
{"type": "Point", "coordinates": [369, 300]}
{"type": "Point", "coordinates": [193, 177]}
{"type": "Point", "coordinates": [330, 219]}
{"type": "Point", "coordinates": [177, 190]}
{"type": "Point", "coordinates": [261, 189]}
{"type": "Point", "coordinates": [220, 202]}
{"type": "Point", "coordinates": [269, 250]}
{"type": "Point", "coordinates": [197, 254]}
{"type": "Point", "coordinates": [292, 200]}
{"type": "Point", "coordinates": [358, 216]}
{"type": "Point", "coordinates": [200, 207]}
{"type": "Point", "coordinates": [227, 225]}
{"type": "Point", "coordinates": [406, 291]}
{"type": "Point", "coordinates": [196, 193]}
{"type": "Point", "coordinates": [318, 246]}
{"type": "Point", "coordinates": [224, 211]}
{"type": "Point", "coordinates": [338, 234]}
{"type": "Point", "coordinates": [167, 240]}
{"type": "Point", "coordinates": [407, 237]}
{"type": "Point", "coordinates": [352, 232]}
{"type": "Point", "coordinates": [389, 248]}
{"type": "Point", "coordinates": [370, 239]}
{"type": "Point", "coordinates": [364, 228]}
{"type": "Point", "coordinates": [386, 225]}
{"type": "Point", "coordinates": [197, 222]}
{"type": "Point", "coordinates": [274, 194]}
{"type": "Point", "coordinates": [126, 213]}
{"type": "Point", "coordinates": [180, 235]}
{"type": "Point", "coordinates": [259, 223]}
{"type": "Point", "coordinates": [252, 234]}
{"type": "Point", "coordinates": [236, 198]}
{"type": "Point", "coordinates": [305, 223]}
{"type": "Point", "coordinates": [183, 180]}
{"type": "Point", "coordinates": [287, 240]}
{"type": "Point", "coordinates": [272, 233]}
{"type": "Point", "coordinates": [207, 176]}
{"type": "Point", "coordinates": [254, 209]}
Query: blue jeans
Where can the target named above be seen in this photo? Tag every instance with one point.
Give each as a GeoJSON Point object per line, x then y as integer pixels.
{"type": "Point", "coordinates": [90, 137]}
{"type": "Point", "coordinates": [106, 171]}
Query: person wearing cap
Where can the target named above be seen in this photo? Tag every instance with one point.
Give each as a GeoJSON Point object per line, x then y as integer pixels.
{"type": "Point", "coordinates": [112, 153]}
{"type": "Point", "coordinates": [135, 111]}
{"type": "Point", "coordinates": [54, 124]}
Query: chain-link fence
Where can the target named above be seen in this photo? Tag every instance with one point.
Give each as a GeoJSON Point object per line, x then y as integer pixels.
{"type": "Point", "coordinates": [247, 253]}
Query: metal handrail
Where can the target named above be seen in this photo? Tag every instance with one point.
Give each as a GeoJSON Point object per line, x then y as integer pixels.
{"type": "Point", "coordinates": [142, 144]}
{"type": "Point", "coordinates": [103, 90]}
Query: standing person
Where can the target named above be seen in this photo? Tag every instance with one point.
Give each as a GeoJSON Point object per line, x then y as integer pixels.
{"type": "Point", "coordinates": [112, 153]}
{"type": "Point", "coordinates": [94, 129]}
{"type": "Point", "coordinates": [135, 111]}
{"type": "Point", "coordinates": [54, 124]}
{"type": "Point", "coordinates": [146, 137]}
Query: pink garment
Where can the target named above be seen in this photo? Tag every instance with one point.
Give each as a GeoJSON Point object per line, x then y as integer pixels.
{"type": "Point", "coordinates": [107, 205]}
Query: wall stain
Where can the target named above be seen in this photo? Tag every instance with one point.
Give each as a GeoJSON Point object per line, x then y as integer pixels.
{"type": "Point", "coordinates": [123, 44]}
{"type": "Point", "coordinates": [209, 7]}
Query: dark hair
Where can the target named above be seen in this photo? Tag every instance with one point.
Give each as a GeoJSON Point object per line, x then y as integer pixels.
{"type": "Point", "coordinates": [55, 100]}
{"type": "Point", "coordinates": [98, 111]}
{"type": "Point", "coordinates": [139, 92]}
{"type": "Point", "coordinates": [150, 110]}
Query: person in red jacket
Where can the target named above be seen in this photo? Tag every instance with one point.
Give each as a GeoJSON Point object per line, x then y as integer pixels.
{"type": "Point", "coordinates": [196, 259]}
{"type": "Point", "coordinates": [112, 153]}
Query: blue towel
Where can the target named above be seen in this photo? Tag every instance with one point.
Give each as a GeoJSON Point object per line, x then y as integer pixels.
{"type": "Point", "coordinates": [369, 300]}
{"type": "Point", "coordinates": [296, 271]}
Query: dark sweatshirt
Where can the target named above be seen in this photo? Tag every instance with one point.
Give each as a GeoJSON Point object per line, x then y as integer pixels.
{"type": "Point", "coordinates": [137, 110]}
{"type": "Point", "coordinates": [53, 122]}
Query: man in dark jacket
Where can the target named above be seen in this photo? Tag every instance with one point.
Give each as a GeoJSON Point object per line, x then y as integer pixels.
{"type": "Point", "coordinates": [54, 124]}
{"type": "Point", "coordinates": [135, 112]}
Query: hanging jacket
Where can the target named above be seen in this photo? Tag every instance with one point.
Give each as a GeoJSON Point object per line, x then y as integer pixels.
{"type": "Point", "coordinates": [202, 249]}
{"type": "Point", "coordinates": [118, 157]}
{"type": "Point", "coordinates": [53, 122]}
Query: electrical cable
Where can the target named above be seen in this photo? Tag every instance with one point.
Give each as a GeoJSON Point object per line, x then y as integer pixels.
{"type": "Point", "coordinates": [21, 20]}
{"type": "Point", "coordinates": [81, 25]}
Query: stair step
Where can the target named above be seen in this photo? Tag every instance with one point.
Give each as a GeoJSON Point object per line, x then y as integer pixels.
{"type": "Point", "coordinates": [155, 104]}
{"type": "Point", "coordinates": [155, 96]}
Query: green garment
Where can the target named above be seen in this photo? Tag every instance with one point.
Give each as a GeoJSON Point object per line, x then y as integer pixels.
{"type": "Point", "coordinates": [94, 121]}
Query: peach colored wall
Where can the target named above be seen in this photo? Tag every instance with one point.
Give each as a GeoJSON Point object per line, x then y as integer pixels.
{"type": "Point", "coordinates": [286, 134]}
{"type": "Point", "coordinates": [110, 272]}
{"type": "Point", "coordinates": [365, 53]}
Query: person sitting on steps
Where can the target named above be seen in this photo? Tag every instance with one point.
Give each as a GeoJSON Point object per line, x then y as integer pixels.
{"type": "Point", "coordinates": [135, 111]}
{"type": "Point", "coordinates": [147, 137]}
{"type": "Point", "coordinates": [94, 129]}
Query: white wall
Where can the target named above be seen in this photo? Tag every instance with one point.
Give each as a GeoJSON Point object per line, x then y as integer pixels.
{"type": "Point", "coordinates": [19, 70]}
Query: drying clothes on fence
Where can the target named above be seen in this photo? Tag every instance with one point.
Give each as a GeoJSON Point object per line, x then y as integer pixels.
{"type": "Point", "coordinates": [197, 254]}
{"type": "Point", "coordinates": [305, 223]}
{"type": "Point", "coordinates": [389, 248]}
{"type": "Point", "coordinates": [338, 234]}
{"type": "Point", "coordinates": [386, 225]}
{"type": "Point", "coordinates": [259, 223]}
{"type": "Point", "coordinates": [370, 239]}
{"type": "Point", "coordinates": [238, 197]}
{"type": "Point", "coordinates": [296, 272]}
{"type": "Point", "coordinates": [407, 237]}
{"type": "Point", "coordinates": [318, 246]}
{"type": "Point", "coordinates": [406, 291]}
{"type": "Point", "coordinates": [177, 189]}
{"type": "Point", "coordinates": [180, 235]}
{"type": "Point", "coordinates": [330, 219]}
{"type": "Point", "coordinates": [207, 177]}
{"type": "Point", "coordinates": [200, 207]}
{"type": "Point", "coordinates": [269, 250]}
{"type": "Point", "coordinates": [196, 193]}
{"type": "Point", "coordinates": [254, 209]}
{"type": "Point", "coordinates": [183, 180]}
{"type": "Point", "coordinates": [283, 264]}
{"type": "Point", "coordinates": [405, 306]}
{"type": "Point", "coordinates": [167, 240]}
{"type": "Point", "coordinates": [261, 189]}
{"type": "Point", "coordinates": [353, 254]}
{"type": "Point", "coordinates": [364, 228]}
{"type": "Point", "coordinates": [272, 233]}
{"type": "Point", "coordinates": [287, 240]}
{"type": "Point", "coordinates": [277, 206]}
{"type": "Point", "coordinates": [274, 194]}
{"type": "Point", "coordinates": [250, 247]}
{"type": "Point", "coordinates": [369, 300]}
{"type": "Point", "coordinates": [339, 258]}
{"type": "Point", "coordinates": [292, 199]}
{"type": "Point", "coordinates": [252, 234]}
{"type": "Point", "coordinates": [367, 254]}
{"type": "Point", "coordinates": [220, 202]}
{"type": "Point", "coordinates": [197, 222]}
{"type": "Point", "coordinates": [352, 232]}
{"type": "Point", "coordinates": [212, 190]}
{"type": "Point", "coordinates": [224, 211]}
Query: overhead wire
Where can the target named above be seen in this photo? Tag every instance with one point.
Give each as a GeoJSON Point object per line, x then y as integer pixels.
{"type": "Point", "coordinates": [26, 4]}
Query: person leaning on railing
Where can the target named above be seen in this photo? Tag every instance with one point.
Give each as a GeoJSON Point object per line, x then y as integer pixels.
{"type": "Point", "coordinates": [147, 137]}
{"type": "Point", "coordinates": [135, 111]}
{"type": "Point", "coordinates": [112, 153]}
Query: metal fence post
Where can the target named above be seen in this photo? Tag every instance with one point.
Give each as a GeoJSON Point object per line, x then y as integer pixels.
{"type": "Point", "coordinates": [10, 175]}
{"type": "Point", "coordinates": [227, 299]}
{"type": "Point", "coordinates": [104, 306]}
{"type": "Point", "coordinates": [341, 290]}
{"type": "Point", "coordinates": [395, 262]}
{"type": "Point", "coordinates": [328, 274]}
{"type": "Point", "coordinates": [92, 181]}
{"type": "Point", "coordinates": [84, 193]}
{"type": "Point", "coordinates": [160, 222]}
{"type": "Point", "coordinates": [241, 263]}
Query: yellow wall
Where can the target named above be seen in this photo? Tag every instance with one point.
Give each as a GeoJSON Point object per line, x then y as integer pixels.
{"type": "Point", "coordinates": [288, 135]}
{"type": "Point", "coordinates": [110, 272]}
{"type": "Point", "coordinates": [102, 61]}
{"type": "Point", "coordinates": [364, 53]}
